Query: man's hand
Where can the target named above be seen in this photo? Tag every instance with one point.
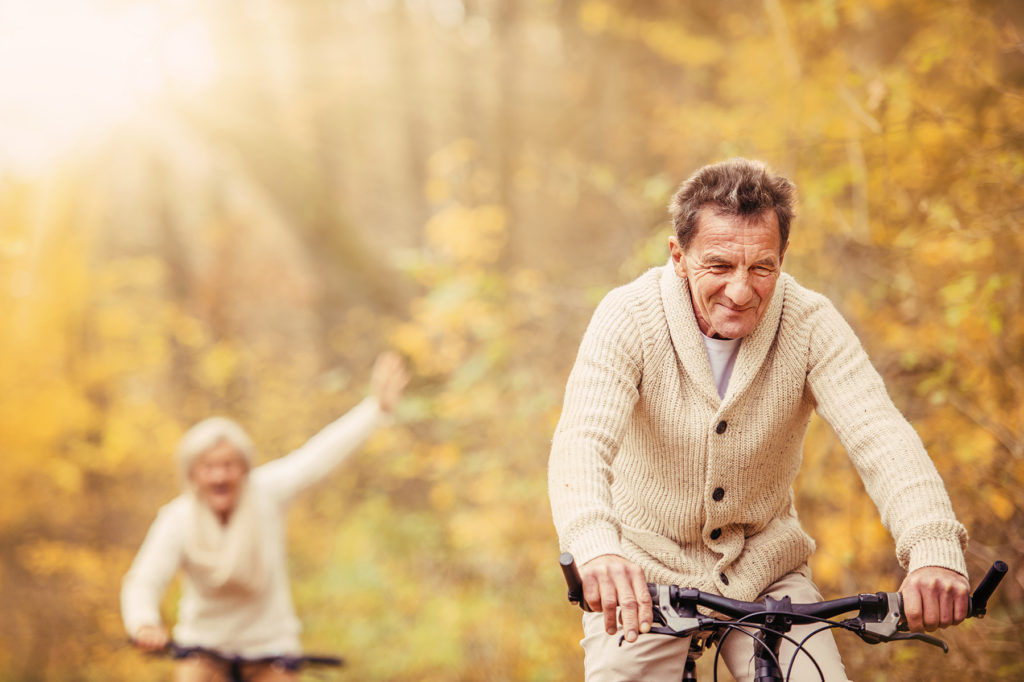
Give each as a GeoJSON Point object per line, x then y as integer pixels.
{"type": "Point", "coordinates": [151, 637]}
{"type": "Point", "coordinates": [934, 598]}
{"type": "Point", "coordinates": [609, 581]}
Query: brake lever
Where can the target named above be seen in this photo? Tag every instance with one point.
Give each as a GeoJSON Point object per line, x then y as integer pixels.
{"type": "Point", "coordinates": [667, 615]}
{"type": "Point", "coordinates": [876, 635]}
{"type": "Point", "coordinates": [662, 630]}
{"type": "Point", "coordinates": [879, 617]}
{"type": "Point", "coordinates": [662, 615]}
{"type": "Point", "coordinates": [921, 637]}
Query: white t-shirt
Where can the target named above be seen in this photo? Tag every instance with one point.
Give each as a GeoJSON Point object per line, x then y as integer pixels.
{"type": "Point", "coordinates": [722, 356]}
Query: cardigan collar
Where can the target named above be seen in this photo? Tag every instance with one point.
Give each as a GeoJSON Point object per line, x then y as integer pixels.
{"type": "Point", "coordinates": [686, 337]}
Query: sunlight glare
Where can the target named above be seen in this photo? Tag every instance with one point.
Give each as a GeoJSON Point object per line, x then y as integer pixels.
{"type": "Point", "coordinates": [71, 70]}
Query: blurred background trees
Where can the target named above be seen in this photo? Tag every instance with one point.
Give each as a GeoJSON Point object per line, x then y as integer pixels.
{"type": "Point", "coordinates": [208, 207]}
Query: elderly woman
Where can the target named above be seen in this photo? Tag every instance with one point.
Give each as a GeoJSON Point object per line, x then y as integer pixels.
{"type": "Point", "coordinates": [226, 533]}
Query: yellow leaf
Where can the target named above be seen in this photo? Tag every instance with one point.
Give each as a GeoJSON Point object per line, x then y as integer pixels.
{"type": "Point", "coordinates": [1002, 505]}
{"type": "Point", "coordinates": [442, 496]}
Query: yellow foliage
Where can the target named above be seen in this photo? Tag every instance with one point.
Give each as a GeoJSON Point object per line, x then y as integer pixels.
{"type": "Point", "coordinates": [218, 364]}
{"type": "Point", "coordinates": [595, 15]}
{"type": "Point", "coordinates": [188, 331]}
{"type": "Point", "coordinates": [442, 496]}
{"type": "Point", "coordinates": [53, 557]}
{"type": "Point", "coordinates": [437, 190]}
{"type": "Point", "coordinates": [1003, 507]}
{"type": "Point", "coordinates": [469, 235]}
{"type": "Point", "coordinates": [66, 475]}
{"type": "Point", "coordinates": [412, 341]}
{"type": "Point", "coordinates": [673, 44]}
{"type": "Point", "coordinates": [826, 567]}
{"type": "Point", "coordinates": [445, 456]}
{"type": "Point", "coordinates": [453, 157]}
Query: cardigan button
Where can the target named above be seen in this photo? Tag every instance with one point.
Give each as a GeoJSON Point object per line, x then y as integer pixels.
{"type": "Point", "coordinates": [718, 494]}
{"type": "Point", "coordinates": [716, 533]}
{"type": "Point", "coordinates": [720, 429]}
{"type": "Point", "coordinates": [724, 578]}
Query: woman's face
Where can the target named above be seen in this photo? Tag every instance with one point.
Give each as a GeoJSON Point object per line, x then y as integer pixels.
{"type": "Point", "coordinates": [218, 475]}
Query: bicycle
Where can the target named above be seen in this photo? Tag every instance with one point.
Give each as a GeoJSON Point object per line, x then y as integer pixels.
{"type": "Point", "coordinates": [236, 665]}
{"type": "Point", "coordinates": [879, 619]}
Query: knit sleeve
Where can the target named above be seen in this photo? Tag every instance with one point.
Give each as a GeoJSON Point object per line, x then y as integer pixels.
{"type": "Point", "coordinates": [287, 476]}
{"type": "Point", "coordinates": [897, 472]}
{"type": "Point", "coordinates": [156, 563]}
{"type": "Point", "coordinates": [599, 399]}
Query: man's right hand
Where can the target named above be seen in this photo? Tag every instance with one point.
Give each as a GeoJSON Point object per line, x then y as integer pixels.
{"type": "Point", "coordinates": [611, 581]}
{"type": "Point", "coordinates": [151, 637]}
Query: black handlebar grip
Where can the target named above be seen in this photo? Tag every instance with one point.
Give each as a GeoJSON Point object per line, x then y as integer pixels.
{"type": "Point", "coordinates": [572, 579]}
{"type": "Point", "coordinates": [988, 584]}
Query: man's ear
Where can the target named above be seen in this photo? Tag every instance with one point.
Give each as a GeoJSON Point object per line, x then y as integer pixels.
{"type": "Point", "coordinates": [782, 253]}
{"type": "Point", "coordinates": [678, 256]}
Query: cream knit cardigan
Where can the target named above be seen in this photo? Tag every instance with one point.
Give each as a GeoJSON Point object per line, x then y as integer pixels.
{"type": "Point", "coordinates": [649, 463]}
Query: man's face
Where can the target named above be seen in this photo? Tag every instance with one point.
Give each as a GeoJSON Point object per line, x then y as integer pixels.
{"type": "Point", "coordinates": [732, 265]}
{"type": "Point", "coordinates": [218, 475]}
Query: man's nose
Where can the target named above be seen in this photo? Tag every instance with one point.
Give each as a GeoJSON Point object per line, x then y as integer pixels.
{"type": "Point", "coordinates": [738, 289]}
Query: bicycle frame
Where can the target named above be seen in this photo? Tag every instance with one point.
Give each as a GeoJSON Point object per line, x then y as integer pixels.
{"type": "Point", "coordinates": [879, 619]}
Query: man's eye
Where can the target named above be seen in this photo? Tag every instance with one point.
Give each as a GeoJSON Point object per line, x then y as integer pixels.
{"type": "Point", "coordinates": [718, 267]}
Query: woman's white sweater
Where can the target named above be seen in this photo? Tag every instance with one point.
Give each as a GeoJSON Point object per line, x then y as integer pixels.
{"type": "Point", "coordinates": [649, 463]}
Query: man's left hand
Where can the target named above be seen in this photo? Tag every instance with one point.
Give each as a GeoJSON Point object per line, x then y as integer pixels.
{"type": "Point", "coordinates": [934, 598]}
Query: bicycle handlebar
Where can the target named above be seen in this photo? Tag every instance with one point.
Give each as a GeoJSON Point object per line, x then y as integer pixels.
{"type": "Point", "coordinates": [289, 662]}
{"type": "Point", "coordinates": [879, 619]}
{"type": "Point", "coordinates": [572, 579]}
{"type": "Point", "coordinates": [984, 590]}
{"type": "Point", "coordinates": [678, 597]}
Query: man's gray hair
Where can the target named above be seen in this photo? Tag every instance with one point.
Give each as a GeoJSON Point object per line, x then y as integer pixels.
{"type": "Point", "coordinates": [737, 187]}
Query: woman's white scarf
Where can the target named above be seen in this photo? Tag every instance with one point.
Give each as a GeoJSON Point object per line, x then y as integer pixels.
{"type": "Point", "coordinates": [225, 558]}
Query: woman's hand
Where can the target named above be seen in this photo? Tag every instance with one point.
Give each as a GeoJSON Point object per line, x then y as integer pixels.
{"type": "Point", "coordinates": [389, 379]}
{"type": "Point", "coordinates": [151, 637]}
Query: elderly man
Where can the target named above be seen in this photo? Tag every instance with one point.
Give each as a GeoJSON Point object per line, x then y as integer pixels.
{"type": "Point", "coordinates": [682, 429]}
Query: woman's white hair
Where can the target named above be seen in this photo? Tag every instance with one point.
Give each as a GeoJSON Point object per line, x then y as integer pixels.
{"type": "Point", "coordinates": [205, 435]}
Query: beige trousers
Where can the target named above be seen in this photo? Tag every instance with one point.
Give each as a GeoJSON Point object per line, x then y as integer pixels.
{"type": "Point", "coordinates": [199, 668]}
{"type": "Point", "coordinates": [659, 658]}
